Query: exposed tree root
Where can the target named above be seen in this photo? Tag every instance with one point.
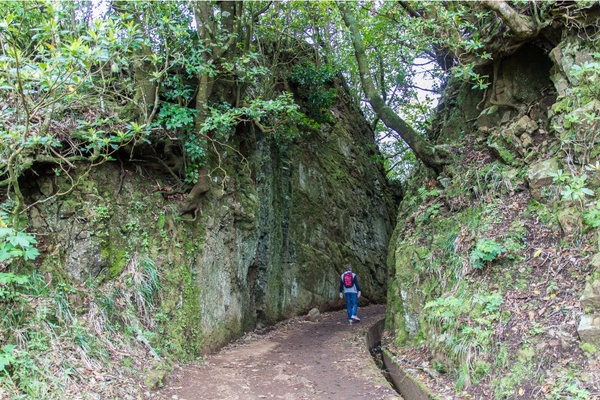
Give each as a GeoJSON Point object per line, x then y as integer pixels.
{"type": "Point", "coordinates": [193, 200]}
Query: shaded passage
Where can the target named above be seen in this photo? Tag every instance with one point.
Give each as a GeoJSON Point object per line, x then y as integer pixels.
{"type": "Point", "coordinates": [297, 360]}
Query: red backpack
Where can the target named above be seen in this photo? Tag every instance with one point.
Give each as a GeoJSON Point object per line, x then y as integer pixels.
{"type": "Point", "coordinates": [348, 279]}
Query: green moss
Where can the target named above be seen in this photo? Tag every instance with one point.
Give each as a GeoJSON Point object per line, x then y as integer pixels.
{"type": "Point", "coordinates": [496, 145]}
{"type": "Point", "coordinates": [52, 264]}
{"type": "Point", "coordinates": [588, 348]}
{"type": "Point", "coordinates": [120, 260]}
{"type": "Point", "coordinates": [275, 284]}
{"type": "Point", "coordinates": [480, 371]}
{"type": "Point", "coordinates": [526, 354]}
{"type": "Point", "coordinates": [160, 224]}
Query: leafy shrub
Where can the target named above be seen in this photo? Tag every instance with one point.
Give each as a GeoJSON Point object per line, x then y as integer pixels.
{"type": "Point", "coordinates": [591, 216]}
{"type": "Point", "coordinates": [174, 116]}
{"type": "Point", "coordinates": [313, 80]}
{"type": "Point", "coordinates": [15, 245]}
{"type": "Point", "coordinates": [486, 250]}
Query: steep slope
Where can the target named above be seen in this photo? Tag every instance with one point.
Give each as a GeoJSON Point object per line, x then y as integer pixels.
{"type": "Point", "coordinates": [489, 260]}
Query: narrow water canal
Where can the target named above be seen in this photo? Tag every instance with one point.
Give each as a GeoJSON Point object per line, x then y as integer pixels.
{"type": "Point", "coordinates": [402, 382]}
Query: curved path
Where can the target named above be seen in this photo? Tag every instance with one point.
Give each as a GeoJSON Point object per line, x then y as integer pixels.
{"type": "Point", "coordinates": [297, 360]}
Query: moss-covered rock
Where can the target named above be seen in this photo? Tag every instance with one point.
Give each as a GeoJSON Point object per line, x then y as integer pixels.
{"type": "Point", "coordinates": [540, 177]}
{"type": "Point", "coordinates": [448, 292]}
{"type": "Point", "coordinates": [270, 242]}
{"type": "Point", "coordinates": [590, 299]}
{"type": "Point", "coordinates": [569, 219]}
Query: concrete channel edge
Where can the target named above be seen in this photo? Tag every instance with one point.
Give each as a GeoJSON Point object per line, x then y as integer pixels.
{"type": "Point", "coordinates": [406, 385]}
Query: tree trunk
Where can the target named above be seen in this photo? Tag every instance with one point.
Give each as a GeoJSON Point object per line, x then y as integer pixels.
{"type": "Point", "coordinates": [142, 66]}
{"type": "Point", "coordinates": [431, 156]}
{"type": "Point", "coordinates": [231, 23]}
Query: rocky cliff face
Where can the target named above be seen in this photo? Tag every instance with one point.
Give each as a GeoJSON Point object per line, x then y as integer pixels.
{"type": "Point", "coordinates": [275, 231]}
{"type": "Point", "coordinates": [489, 259]}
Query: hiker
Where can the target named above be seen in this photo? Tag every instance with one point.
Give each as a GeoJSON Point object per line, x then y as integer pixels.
{"type": "Point", "coordinates": [349, 286]}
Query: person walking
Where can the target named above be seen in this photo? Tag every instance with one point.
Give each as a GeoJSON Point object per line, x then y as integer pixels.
{"type": "Point", "coordinates": [349, 286]}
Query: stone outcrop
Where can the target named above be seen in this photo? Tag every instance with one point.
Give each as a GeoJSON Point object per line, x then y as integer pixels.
{"type": "Point", "coordinates": [270, 241]}
{"type": "Point", "coordinates": [589, 329]}
{"type": "Point", "coordinates": [590, 299]}
{"type": "Point", "coordinates": [540, 180]}
{"type": "Point", "coordinates": [526, 182]}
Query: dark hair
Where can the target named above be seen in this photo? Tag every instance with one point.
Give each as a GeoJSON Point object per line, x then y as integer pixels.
{"type": "Point", "coordinates": [348, 267]}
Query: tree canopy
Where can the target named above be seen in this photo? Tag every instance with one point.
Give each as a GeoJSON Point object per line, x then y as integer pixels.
{"type": "Point", "coordinates": [168, 82]}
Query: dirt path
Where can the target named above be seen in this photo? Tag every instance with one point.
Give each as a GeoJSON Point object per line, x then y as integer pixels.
{"type": "Point", "coordinates": [297, 360]}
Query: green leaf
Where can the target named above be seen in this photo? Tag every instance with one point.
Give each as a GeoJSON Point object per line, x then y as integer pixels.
{"type": "Point", "coordinates": [31, 253]}
{"type": "Point", "coordinates": [21, 239]}
{"type": "Point", "coordinates": [587, 191]}
{"type": "Point", "coordinates": [5, 232]}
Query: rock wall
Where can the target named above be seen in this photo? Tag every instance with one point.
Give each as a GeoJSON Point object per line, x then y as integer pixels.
{"type": "Point", "coordinates": [273, 236]}
{"type": "Point", "coordinates": [470, 255]}
{"type": "Point", "coordinates": [322, 204]}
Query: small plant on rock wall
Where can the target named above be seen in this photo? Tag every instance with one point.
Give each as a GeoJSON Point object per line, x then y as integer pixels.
{"type": "Point", "coordinates": [573, 186]}
{"type": "Point", "coordinates": [486, 251]}
{"type": "Point", "coordinates": [579, 131]}
{"type": "Point", "coordinates": [101, 213]}
{"type": "Point", "coordinates": [591, 216]}
{"type": "Point", "coordinates": [423, 194]}
{"type": "Point", "coordinates": [588, 73]}
{"type": "Point", "coordinates": [313, 79]}
{"type": "Point", "coordinates": [575, 189]}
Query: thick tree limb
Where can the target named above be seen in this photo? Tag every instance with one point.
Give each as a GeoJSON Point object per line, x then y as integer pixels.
{"type": "Point", "coordinates": [408, 8]}
{"type": "Point", "coordinates": [431, 156]}
{"type": "Point", "coordinates": [261, 11]}
{"type": "Point", "coordinates": [520, 25]}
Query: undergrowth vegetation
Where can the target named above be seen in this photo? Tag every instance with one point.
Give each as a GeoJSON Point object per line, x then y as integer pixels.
{"type": "Point", "coordinates": [492, 257]}
{"type": "Point", "coordinates": [58, 340]}
{"type": "Point", "coordinates": [488, 268]}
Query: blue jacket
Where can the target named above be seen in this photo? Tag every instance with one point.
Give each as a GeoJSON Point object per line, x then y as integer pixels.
{"type": "Point", "coordinates": [354, 289]}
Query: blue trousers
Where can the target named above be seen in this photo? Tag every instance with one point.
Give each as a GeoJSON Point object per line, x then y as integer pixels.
{"type": "Point", "coordinates": [351, 304]}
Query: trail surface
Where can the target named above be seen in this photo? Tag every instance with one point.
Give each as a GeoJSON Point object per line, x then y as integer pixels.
{"type": "Point", "coordinates": [297, 360]}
